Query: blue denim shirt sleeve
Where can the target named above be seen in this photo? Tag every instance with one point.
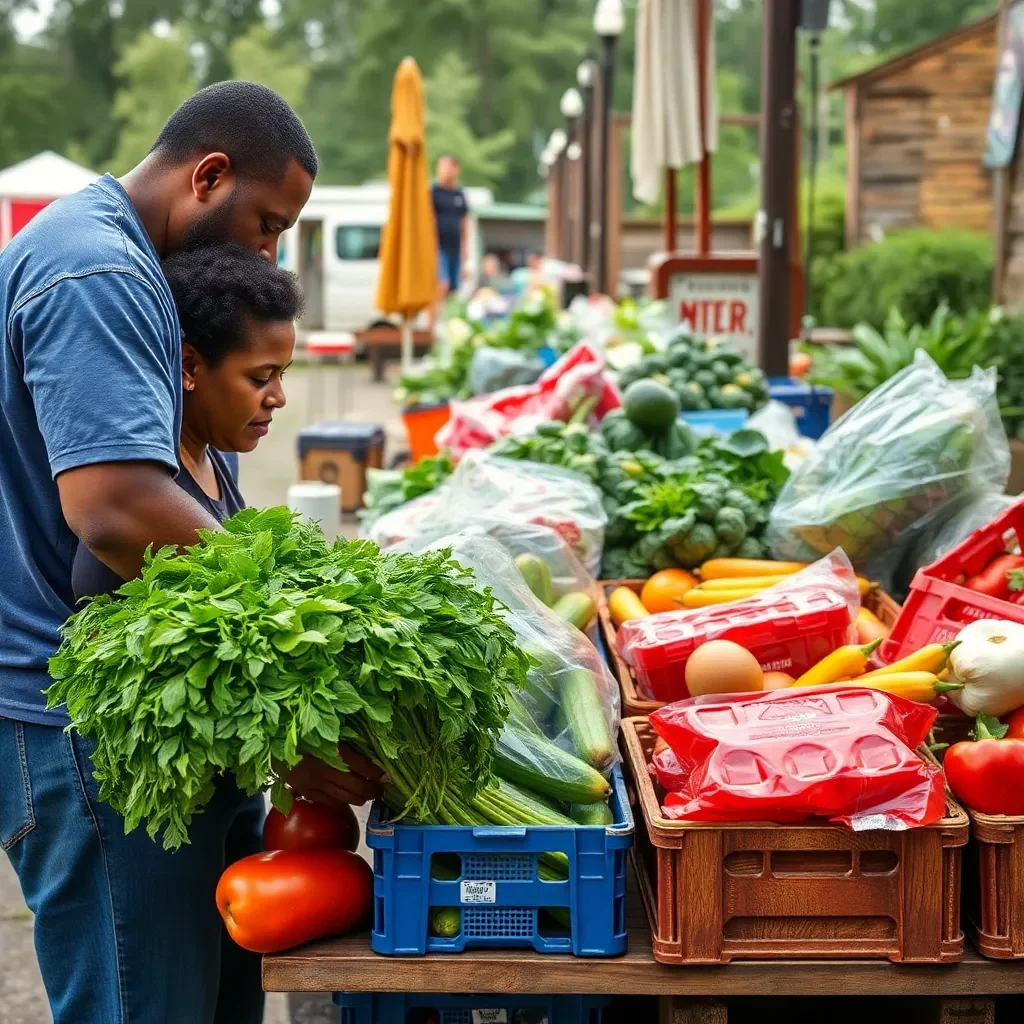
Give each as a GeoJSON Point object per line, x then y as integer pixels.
{"type": "Point", "coordinates": [99, 363]}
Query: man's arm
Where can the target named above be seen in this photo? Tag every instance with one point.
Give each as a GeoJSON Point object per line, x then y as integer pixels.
{"type": "Point", "coordinates": [118, 509]}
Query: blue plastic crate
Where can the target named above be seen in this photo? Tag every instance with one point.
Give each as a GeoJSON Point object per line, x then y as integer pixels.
{"type": "Point", "coordinates": [498, 891]}
{"type": "Point", "coordinates": [811, 406]}
{"type": "Point", "coordinates": [407, 1008]}
{"type": "Point", "coordinates": [716, 421]}
{"type": "Point", "coordinates": [547, 355]}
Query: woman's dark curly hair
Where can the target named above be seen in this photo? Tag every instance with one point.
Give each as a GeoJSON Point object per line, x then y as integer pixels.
{"type": "Point", "coordinates": [217, 288]}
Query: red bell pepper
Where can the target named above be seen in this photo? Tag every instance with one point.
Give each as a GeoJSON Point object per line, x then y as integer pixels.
{"type": "Point", "coordinates": [994, 579]}
{"type": "Point", "coordinates": [987, 773]}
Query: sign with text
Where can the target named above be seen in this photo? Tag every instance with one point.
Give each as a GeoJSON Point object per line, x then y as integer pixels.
{"type": "Point", "coordinates": [717, 305]}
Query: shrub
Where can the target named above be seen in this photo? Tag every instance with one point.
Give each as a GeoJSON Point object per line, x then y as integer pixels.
{"type": "Point", "coordinates": [913, 271]}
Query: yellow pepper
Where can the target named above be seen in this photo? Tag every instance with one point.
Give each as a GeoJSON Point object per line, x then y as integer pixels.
{"type": "Point", "coordinates": [917, 686]}
{"type": "Point", "coordinates": [847, 661]}
{"type": "Point", "coordinates": [701, 598]}
{"type": "Point", "coordinates": [762, 582]}
{"type": "Point", "coordinates": [931, 658]}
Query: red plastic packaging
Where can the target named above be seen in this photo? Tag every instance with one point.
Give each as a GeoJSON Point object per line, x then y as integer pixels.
{"type": "Point", "coordinates": [785, 632]}
{"type": "Point", "coordinates": [938, 607]}
{"type": "Point", "coordinates": [844, 753]}
{"type": "Point", "coordinates": [577, 376]}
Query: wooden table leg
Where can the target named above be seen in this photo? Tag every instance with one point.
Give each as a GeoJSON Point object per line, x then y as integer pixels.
{"type": "Point", "coordinates": [959, 1011]}
{"type": "Point", "coordinates": [679, 1010]}
{"type": "Point", "coordinates": [377, 363]}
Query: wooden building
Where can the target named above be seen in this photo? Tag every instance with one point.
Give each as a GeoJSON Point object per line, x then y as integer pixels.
{"type": "Point", "coordinates": [915, 134]}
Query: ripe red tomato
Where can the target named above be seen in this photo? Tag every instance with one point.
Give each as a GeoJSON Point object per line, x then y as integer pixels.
{"type": "Point", "coordinates": [1016, 725]}
{"type": "Point", "coordinates": [987, 775]}
{"type": "Point", "coordinates": [311, 826]}
{"type": "Point", "coordinates": [273, 901]}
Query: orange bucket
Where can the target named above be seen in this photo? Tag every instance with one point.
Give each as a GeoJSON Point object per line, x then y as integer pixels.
{"type": "Point", "coordinates": [422, 422]}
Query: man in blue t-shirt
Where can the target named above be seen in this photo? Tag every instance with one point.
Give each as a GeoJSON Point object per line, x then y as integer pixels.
{"type": "Point", "coordinates": [450, 211]}
{"type": "Point", "coordinates": [90, 410]}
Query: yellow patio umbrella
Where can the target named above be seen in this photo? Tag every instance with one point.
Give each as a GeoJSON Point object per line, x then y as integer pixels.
{"type": "Point", "coordinates": [408, 258]}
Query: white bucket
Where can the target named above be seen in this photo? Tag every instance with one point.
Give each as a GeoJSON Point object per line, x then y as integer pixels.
{"type": "Point", "coordinates": [318, 502]}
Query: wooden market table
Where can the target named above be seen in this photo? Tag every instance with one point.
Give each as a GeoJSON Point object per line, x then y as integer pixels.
{"type": "Point", "coordinates": [384, 342]}
{"type": "Point", "coordinates": [347, 964]}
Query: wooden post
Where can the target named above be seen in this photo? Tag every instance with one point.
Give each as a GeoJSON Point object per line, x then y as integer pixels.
{"type": "Point", "coordinates": [613, 241]}
{"type": "Point", "coordinates": [671, 229]}
{"type": "Point", "coordinates": [1002, 182]}
{"type": "Point", "coordinates": [704, 168]}
{"type": "Point", "coordinates": [553, 224]}
{"type": "Point", "coordinates": [777, 170]}
{"type": "Point", "coordinates": [852, 165]}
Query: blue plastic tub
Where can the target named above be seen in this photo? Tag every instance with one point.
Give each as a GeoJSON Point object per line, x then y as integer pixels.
{"type": "Point", "coordinates": [407, 1008]}
{"type": "Point", "coordinates": [498, 891]}
{"type": "Point", "coordinates": [811, 406]}
{"type": "Point", "coordinates": [547, 355]}
{"type": "Point", "coordinates": [717, 421]}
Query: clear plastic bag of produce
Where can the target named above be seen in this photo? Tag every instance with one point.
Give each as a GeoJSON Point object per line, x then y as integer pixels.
{"type": "Point", "coordinates": [511, 491]}
{"type": "Point", "coordinates": [892, 465]}
{"type": "Point", "coordinates": [841, 753]}
{"type": "Point", "coordinates": [575, 388]}
{"type": "Point", "coordinates": [494, 369]}
{"type": "Point", "coordinates": [788, 628]}
{"type": "Point", "coordinates": [561, 735]}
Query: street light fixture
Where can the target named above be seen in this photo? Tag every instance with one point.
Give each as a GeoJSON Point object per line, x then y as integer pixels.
{"type": "Point", "coordinates": [558, 141]}
{"type": "Point", "coordinates": [609, 23]}
{"type": "Point", "coordinates": [571, 104]}
{"type": "Point", "coordinates": [574, 152]}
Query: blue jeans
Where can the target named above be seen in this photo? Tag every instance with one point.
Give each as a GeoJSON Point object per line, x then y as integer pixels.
{"type": "Point", "coordinates": [449, 265]}
{"type": "Point", "coordinates": [125, 932]}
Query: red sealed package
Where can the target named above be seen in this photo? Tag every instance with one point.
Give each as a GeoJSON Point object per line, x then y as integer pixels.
{"type": "Point", "coordinates": [576, 377]}
{"type": "Point", "coordinates": [788, 628]}
{"type": "Point", "coordinates": [845, 753]}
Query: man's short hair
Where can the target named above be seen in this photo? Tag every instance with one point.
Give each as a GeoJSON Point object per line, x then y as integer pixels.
{"type": "Point", "coordinates": [450, 156]}
{"type": "Point", "coordinates": [217, 287]}
{"type": "Point", "coordinates": [254, 126]}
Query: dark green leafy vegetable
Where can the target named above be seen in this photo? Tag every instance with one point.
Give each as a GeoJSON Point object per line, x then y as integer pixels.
{"type": "Point", "coordinates": [264, 643]}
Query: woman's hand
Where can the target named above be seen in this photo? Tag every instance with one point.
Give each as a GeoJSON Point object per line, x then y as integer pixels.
{"type": "Point", "coordinates": [323, 784]}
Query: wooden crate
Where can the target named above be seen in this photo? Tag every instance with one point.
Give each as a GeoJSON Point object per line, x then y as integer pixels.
{"type": "Point", "coordinates": [716, 892]}
{"type": "Point", "coordinates": [994, 885]}
{"type": "Point", "coordinates": [633, 702]}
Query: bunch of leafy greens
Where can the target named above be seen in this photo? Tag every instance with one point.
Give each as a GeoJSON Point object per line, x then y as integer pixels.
{"type": "Point", "coordinates": [263, 643]}
{"type": "Point", "coordinates": [387, 489]}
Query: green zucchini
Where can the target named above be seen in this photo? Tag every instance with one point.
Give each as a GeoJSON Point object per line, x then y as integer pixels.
{"type": "Point", "coordinates": [575, 608]}
{"type": "Point", "coordinates": [584, 714]}
{"type": "Point", "coordinates": [535, 762]}
{"type": "Point", "coordinates": [445, 922]}
{"type": "Point", "coordinates": [538, 577]}
{"type": "Point", "coordinates": [592, 814]}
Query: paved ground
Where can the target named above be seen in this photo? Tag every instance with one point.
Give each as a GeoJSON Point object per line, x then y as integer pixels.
{"type": "Point", "coordinates": [266, 475]}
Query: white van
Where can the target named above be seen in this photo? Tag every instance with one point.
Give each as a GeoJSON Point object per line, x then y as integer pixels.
{"type": "Point", "coordinates": [334, 249]}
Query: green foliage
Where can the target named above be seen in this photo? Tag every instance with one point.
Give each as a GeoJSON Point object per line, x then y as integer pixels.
{"type": "Point", "coordinates": [264, 643]}
{"type": "Point", "coordinates": [913, 271]}
{"type": "Point", "coordinates": [956, 344]}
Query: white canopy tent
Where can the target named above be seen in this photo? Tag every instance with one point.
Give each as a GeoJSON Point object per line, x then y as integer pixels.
{"type": "Point", "coordinates": [28, 186]}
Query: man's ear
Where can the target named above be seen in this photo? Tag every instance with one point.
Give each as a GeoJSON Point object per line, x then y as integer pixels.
{"type": "Point", "coordinates": [212, 172]}
{"type": "Point", "coordinates": [190, 362]}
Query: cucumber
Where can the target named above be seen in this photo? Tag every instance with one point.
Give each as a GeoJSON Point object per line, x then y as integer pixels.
{"type": "Point", "coordinates": [445, 867]}
{"type": "Point", "coordinates": [575, 608]}
{"type": "Point", "coordinates": [535, 762]}
{"type": "Point", "coordinates": [445, 922]}
{"type": "Point", "coordinates": [539, 695]}
{"type": "Point", "coordinates": [592, 814]}
{"type": "Point", "coordinates": [583, 712]}
{"type": "Point", "coordinates": [518, 806]}
{"type": "Point", "coordinates": [538, 577]}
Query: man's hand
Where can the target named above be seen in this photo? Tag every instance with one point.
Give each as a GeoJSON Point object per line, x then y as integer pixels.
{"type": "Point", "coordinates": [323, 784]}
{"type": "Point", "coordinates": [118, 509]}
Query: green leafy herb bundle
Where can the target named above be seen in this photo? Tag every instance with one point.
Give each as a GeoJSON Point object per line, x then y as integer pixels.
{"type": "Point", "coordinates": [263, 643]}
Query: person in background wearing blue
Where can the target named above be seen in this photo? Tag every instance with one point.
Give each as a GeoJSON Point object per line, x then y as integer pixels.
{"type": "Point", "coordinates": [90, 419]}
{"type": "Point", "coordinates": [450, 210]}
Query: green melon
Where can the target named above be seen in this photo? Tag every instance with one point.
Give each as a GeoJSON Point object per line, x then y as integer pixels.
{"type": "Point", "coordinates": [651, 405]}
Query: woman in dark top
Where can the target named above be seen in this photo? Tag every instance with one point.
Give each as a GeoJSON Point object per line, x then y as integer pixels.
{"type": "Point", "coordinates": [237, 315]}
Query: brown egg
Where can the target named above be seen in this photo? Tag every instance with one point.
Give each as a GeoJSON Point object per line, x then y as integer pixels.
{"type": "Point", "coordinates": [777, 680]}
{"type": "Point", "coordinates": [720, 666]}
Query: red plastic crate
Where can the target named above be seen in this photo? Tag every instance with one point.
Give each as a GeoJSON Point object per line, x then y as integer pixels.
{"type": "Point", "coordinates": [787, 634]}
{"type": "Point", "coordinates": [938, 607]}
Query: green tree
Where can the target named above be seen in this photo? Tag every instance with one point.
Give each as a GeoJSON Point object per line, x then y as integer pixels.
{"type": "Point", "coordinates": [157, 76]}
{"type": "Point", "coordinates": [259, 57]}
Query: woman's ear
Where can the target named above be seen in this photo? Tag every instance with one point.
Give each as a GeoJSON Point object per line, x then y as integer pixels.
{"type": "Point", "coordinates": [190, 362]}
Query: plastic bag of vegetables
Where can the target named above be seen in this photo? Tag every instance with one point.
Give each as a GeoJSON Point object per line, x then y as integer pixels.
{"type": "Point", "coordinates": [560, 738]}
{"type": "Point", "coordinates": [511, 491]}
{"type": "Point", "coordinates": [892, 466]}
{"type": "Point", "coordinates": [495, 368]}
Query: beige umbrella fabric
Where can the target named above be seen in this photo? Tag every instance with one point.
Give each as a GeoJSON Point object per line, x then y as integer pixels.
{"type": "Point", "coordinates": [666, 131]}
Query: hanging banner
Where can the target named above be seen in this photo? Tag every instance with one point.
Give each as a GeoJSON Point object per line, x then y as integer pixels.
{"type": "Point", "coordinates": [1001, 138]}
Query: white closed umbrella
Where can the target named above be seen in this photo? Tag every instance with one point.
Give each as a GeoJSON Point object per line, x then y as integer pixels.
{"type": "Point", "coordinates": [666, 94]}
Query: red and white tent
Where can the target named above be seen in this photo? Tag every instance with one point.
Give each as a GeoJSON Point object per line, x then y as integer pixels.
{"type": "Point", "coordinates": [26, 187]}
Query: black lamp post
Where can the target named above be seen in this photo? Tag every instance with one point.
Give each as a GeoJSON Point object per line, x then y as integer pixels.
{"type": "Point", "coordinates": [586, 74]}
{"type": "Point", "coordinates": [609, 22]}
{"type": "Point", "coordinates": [571, 106]}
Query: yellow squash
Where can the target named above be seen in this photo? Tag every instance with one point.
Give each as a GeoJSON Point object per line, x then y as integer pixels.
{"type": "Point", "coordinates": [761, 582]}
{"type": "Point", "coordinates": [701, 598]}
{"type": "Point", "coordinates": [844, 662]}
{"type": "Point", "coordinates": [931, 658]}
{"type": "Point", "coordinates": [624, 604]}
{"type": "Point", "coordinates": [723, 568]}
